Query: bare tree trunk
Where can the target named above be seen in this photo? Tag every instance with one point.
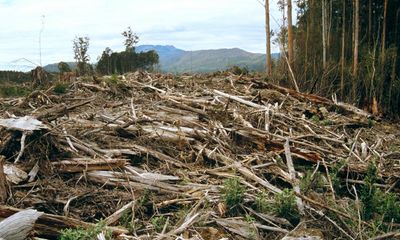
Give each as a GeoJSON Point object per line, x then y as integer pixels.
{"type": "Point", "coordinates": [323, 4]}
{"type": "Point", "coordinates": [369, 22]}
{"type": "Point", "coordinates": [356, 36]}
{"type": "Point", "coordinates": [393, 74]}
{"type": "Point", "coordinates": [384, 34]}
{"type": "Point", "coordinates": [268, 63]}
{"type": "Point", "coordinates": [290, 32]}
{"type": "Point", "coordinates": [343, 50]}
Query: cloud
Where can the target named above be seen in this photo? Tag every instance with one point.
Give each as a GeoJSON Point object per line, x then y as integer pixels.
{"type": "Point", "coordinates": [187, 24]}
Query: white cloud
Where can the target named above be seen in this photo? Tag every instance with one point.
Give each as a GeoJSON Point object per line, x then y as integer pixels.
{"type": "Point", "coordinates": [187, 24]}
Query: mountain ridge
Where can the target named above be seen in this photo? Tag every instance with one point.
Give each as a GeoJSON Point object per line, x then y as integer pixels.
{"type": "Point", "coordinates": [176, 60]}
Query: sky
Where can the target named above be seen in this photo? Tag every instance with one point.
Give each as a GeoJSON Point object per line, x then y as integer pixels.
{"type": "Point", "coordinates": [186, 24]}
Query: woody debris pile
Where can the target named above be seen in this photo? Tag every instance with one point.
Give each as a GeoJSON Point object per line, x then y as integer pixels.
{"type": "Point", "coordinates": [221, 156]}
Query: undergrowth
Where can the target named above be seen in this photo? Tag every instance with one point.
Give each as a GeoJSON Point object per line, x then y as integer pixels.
{"type": "Point", "coordinates": [85, 233]}
{"type": "Point", "coordinates": [14, 91]}
{"type": "Point", "coordinates": [233, 194]}
{"type": "Point", "coordinates": [60, 88]}
{"type": "Point", "coordinates": [285, 206]}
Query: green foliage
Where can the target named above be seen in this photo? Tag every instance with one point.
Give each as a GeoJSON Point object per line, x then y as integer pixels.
{"type": "Point", "coordinates": [326, 122]}
{"type": "Point", "coordinates": [233, 194]}
{"type": "Point", "coordinates": [315, 119]}
{"type": "Point", "coordinates": [371, 123]}
{"type": "Point", "coordinates": [261, 203]}
{"type": "Point", "coordinates": [13, 91]}
{"type": "Point", "coordinates": [377, 77]}
{"type": "Point", "coordinates": [131, 39]}
{"type": "Point", "coordinates": [238, 70]}
{"type": "Point", "coordinates": [63, 67]}
{"type": "Point", "coordinates": [81, 47]}
{"type": "Point", "coordinates": [85, 234]}
{"type": "Point", "coordinates": [389, 206]}
{"type": "Point", "coordinates": [334, 171]}
{"type": "Point", "coordinates": [159, 222]}
{"type": "Point", "coordinates": [310, 181]}
{"type": "Point", "coordinates": [285, 206]}
{"type": "Point", "coordinates": [249, 218]}
{"type": "Point", "coordinates": [127, 222]}
{"type": "Point", "coordinates": [126, 61]}
{"type": "Point", "coordinates": [14, 77]}
{"type": "Point", "coordinates": [60, 88]}
{"type": "Point", "coordinates": [113, 80]}
{"type": "Point", "coordinates": [375, 202]}
{"type": "Point", "coordinates": [368, 193]}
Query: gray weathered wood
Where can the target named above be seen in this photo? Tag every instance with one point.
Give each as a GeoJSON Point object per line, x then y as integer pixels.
{"type": "Point", "coordinates": [18, 226]}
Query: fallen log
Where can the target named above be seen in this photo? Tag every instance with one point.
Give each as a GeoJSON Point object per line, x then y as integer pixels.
{"type": "Point", "coordinates": [49, 225]}
{"type": "Point", "coordinates": [19, 225]}
{"type": "Point", "coordinates": [86, 164]}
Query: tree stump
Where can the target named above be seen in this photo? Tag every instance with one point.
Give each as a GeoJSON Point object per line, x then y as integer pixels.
{"type": "Point", "coordinates": [39, 77]}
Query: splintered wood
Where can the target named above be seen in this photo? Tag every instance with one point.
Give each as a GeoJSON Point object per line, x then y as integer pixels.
{"type": "Point", "coordinates": [151, 154]}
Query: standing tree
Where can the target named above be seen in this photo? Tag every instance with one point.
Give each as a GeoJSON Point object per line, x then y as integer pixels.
{"type": "Point", "coordinates": [268, 63]}
{"type": "Point", "coordinates": [356, 38]}
{"type": "Point", "coordinates": [343, 50]}
{"type": "Point", "coordinates": [131, 39]}
{"type": "Point", "coordinates": [81, 47]}
{"type": "Point", "coordinates": [324, 33]}
{"type": "Point", "coordinates": [290, 32]}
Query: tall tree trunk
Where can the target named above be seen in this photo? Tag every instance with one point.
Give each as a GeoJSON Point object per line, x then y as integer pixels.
{"type": "Point", "coordinates": [343, 50]}
{"type": "Point", "coordinates": [394, 65]}
{"type": "Point", "coordinates": [356, 36]}
{"type": "Point", "coordinates": [323, 10]}
{"type": "Point", "coordinates": [290, 32]}
{"type": "Point", "coordinates": [369, 22]}
{"type": "Point", "coordinates": [268, 63]}
{"type": "Point", "coordinates": [384, 35]}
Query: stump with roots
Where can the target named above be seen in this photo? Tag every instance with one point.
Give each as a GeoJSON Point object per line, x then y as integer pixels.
{"type": "Point", "coordinates": [39, 77]}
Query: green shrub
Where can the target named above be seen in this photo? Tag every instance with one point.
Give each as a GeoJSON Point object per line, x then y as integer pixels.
{"type": "Point", "coordinates": [85, 234]}
{"type": "Point", "coordinates": [334, 172]}
{"type": "Point", "coordinates": [315, 119]}
{"type": "Point", "coordinates": [261, 203]}
{"type": "Point", "coordinates": [233, 194]}
{"type": "Point", "coordinates": [60, 88]}
{"type": "Point", "coordinates": [113, 79]}
{"type": "Point", "coordinates": [376, 202]}
{"type": "Point", "coordinates": [309, 182]}
{"type": "Point", "coordinates": [389, 206]}
{"type": "Point", "coordinates": [326, 122]}
{"type": "Point", "coordinates": [368, 193]}
{"type": "Point", "coordinates": [285, 206]}
{"type": "Point", "coordinates": [239, 70]}
{"type": "Point", "coordinates": [159, 222]}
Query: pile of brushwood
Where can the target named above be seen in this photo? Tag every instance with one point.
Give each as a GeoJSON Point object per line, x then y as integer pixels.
{"type": "Point", "coordinates": [219, 156]}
